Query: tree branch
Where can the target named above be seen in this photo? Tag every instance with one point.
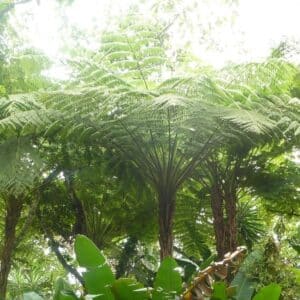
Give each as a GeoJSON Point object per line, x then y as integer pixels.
{"type": "Point", "coordinates": [70, 269]}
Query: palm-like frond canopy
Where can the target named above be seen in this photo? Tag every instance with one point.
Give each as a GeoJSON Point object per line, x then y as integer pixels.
{"type": "Point", "coordinates": [164, 128]}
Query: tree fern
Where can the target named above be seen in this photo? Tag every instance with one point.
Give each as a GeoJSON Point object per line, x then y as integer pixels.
{"type": "Point", "coordinates": [165, 129]}
{"type": "Point", "coordinates": [135, 51]}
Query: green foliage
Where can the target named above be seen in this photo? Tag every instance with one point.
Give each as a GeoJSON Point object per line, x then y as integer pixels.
{"type": "Point", "coordinates": [129, 250]}
{"type": "Point", "coordinates": [297, 274]}
{"type": "Point", "coordinates": [188, 267]}
{"type": "Point", "coordinates": [55, 212]}
{"type": "Point", "coordinates": [265, 265]}
{"type": "Point", "coordinates": [34, 268]}
{"type": "Point", "coordinates": [20, 168]}
{"type": "Point", "coordinates": [134, 51]}
{"type": "Point", "coordinates": [113, 205]}
{"type": "Point", "coordinates": [21, 72]}
{"type": "Point", "coordinates": [219, 291]}
{"type": "Point", "coordinates": [192, 226]}
{"type": "Point", "coordinates": [272, 291]}
{"type": "Point", "coordinates": [127, 288]}
{"type": "Point", "coordinates": [277, 182]}
{"type": "Point", "coordinates": [63, 291]}
{"type": "Point", "coordinates": [100, 281]}
{"type": "Point", "coordinates": [294, 241]}
{"type": "Point", "coordinates": [168, 281]}
{"type": "Point", "coordinates": [87, 253]}
{"type": "Point", "coordinates": [250, 225]}
{"type": "Point", "coordinates": [129, 134]}
{"type": "Point", "coordinates": [98, 276]}
{"type": "Point", "coordinates": [244, 286]}
{"type": "Point", "coordinates": [222, 292]}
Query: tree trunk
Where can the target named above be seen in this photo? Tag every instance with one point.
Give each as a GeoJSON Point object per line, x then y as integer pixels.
{"type": "Point", "coordinates": [80, 222]}
{"type": "Point", "coordinates": [13, 212]}
{"type": "Point", "coordinates": [165, 218]}
{"type": "Point", "coordinates": [218, 220]}
{"type": "Point", "coordinates": [231, 228]}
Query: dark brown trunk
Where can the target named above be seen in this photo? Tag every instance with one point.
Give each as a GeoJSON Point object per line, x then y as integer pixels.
{"type": "Point", "coordinates": [217, 206]}
{"type": "Point", "coordinates": [13, 212]}
{"type": "Point", "coordinates": [165, 219]}
{"type": "Point", "coordinates": [80, 222]}
{"type": "Point", "coordinates": [231, 228]}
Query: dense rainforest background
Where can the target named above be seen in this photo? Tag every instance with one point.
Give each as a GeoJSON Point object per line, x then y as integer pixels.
{"type": "Point", "coordinates": [143, 141]}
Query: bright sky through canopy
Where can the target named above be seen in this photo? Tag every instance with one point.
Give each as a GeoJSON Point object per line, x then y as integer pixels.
{"type": "Point", "coordinates": [256, 26]}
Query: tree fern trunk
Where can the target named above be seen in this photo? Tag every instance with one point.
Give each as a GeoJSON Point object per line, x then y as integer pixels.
{"type": "Point", "coordinates": [218, 220]}
{"type": "Point", "coordinates": [166, 215]}
{"type": "Point", "coordinates": [13, 212]}
{"type": "Point", "coordinates": [231, 228]}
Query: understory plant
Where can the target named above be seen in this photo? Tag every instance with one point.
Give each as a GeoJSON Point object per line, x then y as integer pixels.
{"type": "Point", "coordinates": [101, 283]}
{"type": "Point", "coordinates": [263, 265]}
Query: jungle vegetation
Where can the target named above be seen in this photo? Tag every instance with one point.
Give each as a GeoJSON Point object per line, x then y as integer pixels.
{"type": "Point", "coordinates": [162, 161]}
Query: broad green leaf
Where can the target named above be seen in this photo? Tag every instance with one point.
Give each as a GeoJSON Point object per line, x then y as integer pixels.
{"type": "Point", "coordinates": [99, 281]}
{"type": "Point", "coordinates": [244, 286]}
{"type": "Point", "coordinates": [168, 280]}
{"type": "Point", "coordinates": [219, 291]}
{"type": "Point", "coordinates": [32, 296]}
{"type": "Point", "coordinates": [87, 253]}
{"type": "Point", "coordinates": [269, 292]}
{"type": "Point", "coordinates": [129, 289]}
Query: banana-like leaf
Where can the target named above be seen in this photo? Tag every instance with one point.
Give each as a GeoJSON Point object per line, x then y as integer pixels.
{"type": "Point", "coordinates": [269, 292]}
{"type": "Point", "coordinates": [87, 253]}
{"type": "Point", "coordinates": [219, 291]}
{"type": "Point", "coordinates": [168, 280]}
{"type": "Point", "coordinates": [99, 281]}
{"type": "Point", "coordinates": [244, 286]}
{"type": "Point", "coordinates": [128, 288]}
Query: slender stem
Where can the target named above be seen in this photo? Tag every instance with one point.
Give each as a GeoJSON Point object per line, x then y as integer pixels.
{"type": "Point", "coordinates": [70, 269]}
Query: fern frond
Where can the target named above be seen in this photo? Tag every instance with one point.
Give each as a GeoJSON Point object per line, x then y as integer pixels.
{"type": "Point", "coordinates": [20, 166]}
{"type": "Point", "coordinates": [23, 115]}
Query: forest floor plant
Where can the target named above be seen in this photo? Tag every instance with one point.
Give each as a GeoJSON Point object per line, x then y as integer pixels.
{"type": "Point", "coordinates": [100, 282]}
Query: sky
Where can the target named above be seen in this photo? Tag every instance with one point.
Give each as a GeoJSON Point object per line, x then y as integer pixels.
{"type": "Point", "coordinates": [252, 29]}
